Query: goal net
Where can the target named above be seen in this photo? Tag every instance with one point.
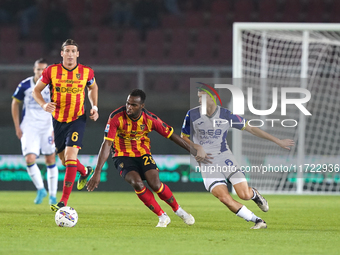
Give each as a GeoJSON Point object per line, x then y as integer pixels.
{"type": "Point", "coordinates": [285, 56]}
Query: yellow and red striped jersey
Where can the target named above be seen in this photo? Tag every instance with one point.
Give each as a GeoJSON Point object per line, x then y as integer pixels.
{"type": "Point", "coordinates": [67, 89]}
{"type": "Point", "coordinates": [130, 137]}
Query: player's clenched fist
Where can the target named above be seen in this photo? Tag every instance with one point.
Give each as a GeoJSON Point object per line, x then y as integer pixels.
{"type": "Point", "coordinates": [94, 114]}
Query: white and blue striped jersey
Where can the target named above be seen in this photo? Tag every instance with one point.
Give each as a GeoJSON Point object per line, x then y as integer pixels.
{"type": "Point", "coordinates": [33, 115]}
{"type": "Point", "coordinates": [211, 132]}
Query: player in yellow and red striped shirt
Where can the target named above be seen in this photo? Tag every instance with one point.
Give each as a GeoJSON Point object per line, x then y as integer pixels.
{"type": "Point", "coordinates": [130, 137]}
{"type": "Point", "coordinates": [68, 89]}
{"type": "Point", "coordinates": [127, 132]}
{"type": "Point", "coordinates": [67, 81]}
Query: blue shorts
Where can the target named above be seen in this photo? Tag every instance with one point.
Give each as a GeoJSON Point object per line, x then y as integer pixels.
{"type": "Point", "coordinates": [69, 134]}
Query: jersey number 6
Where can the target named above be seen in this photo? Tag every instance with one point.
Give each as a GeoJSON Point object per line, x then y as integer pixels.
{"type": "Point", "coordinates": [74, 136]}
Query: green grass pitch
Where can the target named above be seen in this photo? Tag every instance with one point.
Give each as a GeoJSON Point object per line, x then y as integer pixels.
{"type": "Point", "coordinates": [119, 223]}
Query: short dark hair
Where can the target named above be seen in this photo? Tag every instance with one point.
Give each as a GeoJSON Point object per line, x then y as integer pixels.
{"type": "Point", "coordinates": [69, 42]}
{"type": "Point", "coordinates": [41, 61]}
{"type": "Point", "coordinates": [204, 88]}
{"type": "Point", "coordinates": [138, 93]}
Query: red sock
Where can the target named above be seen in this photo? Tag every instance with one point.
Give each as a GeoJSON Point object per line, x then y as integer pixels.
{"type": "Point", "coordinates": [81, 168]}
{"type": "Point", "coordinates": [70, 176]}
{"type": "Point", "coordinates": [166, 195]}
{"type": "Point", "coordinates": [149, 200]}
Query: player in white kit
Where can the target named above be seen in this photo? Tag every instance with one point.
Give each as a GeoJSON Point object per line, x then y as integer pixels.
{"type": "Point", "coordinates": [209, 133]}
{"type": "Point", "coordinates": [35, 132]}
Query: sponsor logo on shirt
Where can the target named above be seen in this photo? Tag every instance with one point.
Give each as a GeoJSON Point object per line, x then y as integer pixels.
{"type": "Point", "coordinates": [69, 90]}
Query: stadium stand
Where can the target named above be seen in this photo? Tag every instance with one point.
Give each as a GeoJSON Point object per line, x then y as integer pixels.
{"type": "Point", "coordinates": [194, 20]}
{"type": "Point", "coordinates": [267, 11]}
{"type": "Point", "coordinates": [161, 83]}
{"type": "Point", "coordinates": [334, 11]}
{"type": "Point", "coordinates": [30, 51]}
{"type": "Point", "coordinates": [244, 11]}
{"type": "Point", "coordinates": [315, 11]}
{"type": "Point", "coordinates": [219, 20]}
{"type": "Point", "coordinates": [106, 35]}
{"type": "Point", "coordinates": [221, 7]}
{"type": "Point", "coordinates": [199, 35]}
{"type": "Point", "coordinates": [153, 52]}
{"type": "Point", "coordinates": [9, 34]}
{"type": "Point", "coordinates": [107, 54]}
{"type": "Point", "coordinates": [10, 53]}
{"type": "Point", "coordinates": [292, 11]}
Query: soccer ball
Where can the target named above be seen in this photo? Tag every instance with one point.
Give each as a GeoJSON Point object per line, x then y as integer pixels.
{"type": "Point", "coordinates": [66, 217]}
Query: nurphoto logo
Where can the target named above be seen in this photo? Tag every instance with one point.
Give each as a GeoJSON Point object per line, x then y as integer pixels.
{"type": "Point", "coordinates": [239, 99]}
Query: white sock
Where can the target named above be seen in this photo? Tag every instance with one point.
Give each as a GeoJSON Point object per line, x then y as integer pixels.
{"type": "Point", "coordinates": [246, 214]}
{"type": "Point", "coordinates": [35, 174]}
{"type": "Point", "coordinates": [52, 180]}
{"type": "Point", "coordinates": [163, 217]}
{"type": "Point", "coordinates": [180, 212]}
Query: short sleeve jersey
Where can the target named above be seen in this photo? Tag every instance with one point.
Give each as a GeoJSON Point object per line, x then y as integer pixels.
{"type": "Point", "coordinates": [68, 89]}
{"type": "Point", "coordinates": [211, 132]}
{"type": "Point", "coordinates": [130, 137]}
{"type": "Point", "coordinates": [32, 113]}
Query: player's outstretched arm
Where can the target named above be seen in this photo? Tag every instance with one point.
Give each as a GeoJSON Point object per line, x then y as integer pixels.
{"type": "Point", "coordinates": [201, 155]}
{"type": "Point", "coordinates": [103, 154]}
{"type": "Point", "coordinates": [48, 107]}
{"type": "Point", "coordinates": [186, 145]}
{"type": "Point", "coordinates": [285, 143]}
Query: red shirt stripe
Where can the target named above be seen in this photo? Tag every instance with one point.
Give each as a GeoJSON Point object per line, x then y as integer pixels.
{"type": "Point", "coordinates": [68, 89]}
{"type": "Point", "coordinates": [130, 137]}
{"type": "Point", "coordinates": [80, 107]}
{"type": "Point", "coordinates": [68, 98]}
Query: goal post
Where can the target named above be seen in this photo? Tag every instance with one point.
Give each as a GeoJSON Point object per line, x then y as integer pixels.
{"type": "Point", "coordinates": [290, 55]}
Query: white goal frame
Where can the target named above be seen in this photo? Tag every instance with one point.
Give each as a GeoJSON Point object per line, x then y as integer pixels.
{"type": "Point", "coordinates": [238, 27]}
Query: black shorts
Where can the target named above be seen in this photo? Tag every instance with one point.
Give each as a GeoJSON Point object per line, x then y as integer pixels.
{"type": "Point", "coordinates": [138, 164]}
{"type": "Point", "coordinates": [69, 134]}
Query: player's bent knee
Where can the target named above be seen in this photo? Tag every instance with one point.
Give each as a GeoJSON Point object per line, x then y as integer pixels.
{"type": "Point", "coordinates": [50, 161]}
{"type": "Point", "coordinates": [242, 191]}
{"type": "Point", "coordinates": [137, 184]}
{"type": "Point", "coordinates": [30, 158]}
{"type": "Point", "coordinates": [221, 192]}
{"type": "Point", "coordinates": [155, 186]}
{"type": "Point", "coordinates": [240, 185]}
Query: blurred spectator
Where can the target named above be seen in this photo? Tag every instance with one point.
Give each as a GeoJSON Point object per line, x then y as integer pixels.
{"type": "Point", "coordinates": [28, 11]}
{"type": "Point", "coordinates": [57, 26]}
{"type": "Point", "coordinates": [121, 13]}
{"type": "Point", "coordinates": [146, 16]}
{"type": "Point", "coordinates": [7, 11]}
{"type": "Point", "coordinates": [172, 7]}
{"type": "Point", "coordinates": [193, 5]}
{"type": "Point", "coordinates": [23, 11]}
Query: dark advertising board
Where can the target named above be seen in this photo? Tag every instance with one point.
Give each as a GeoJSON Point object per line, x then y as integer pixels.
{"type": "Point", "coordinates": [175, 170]}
